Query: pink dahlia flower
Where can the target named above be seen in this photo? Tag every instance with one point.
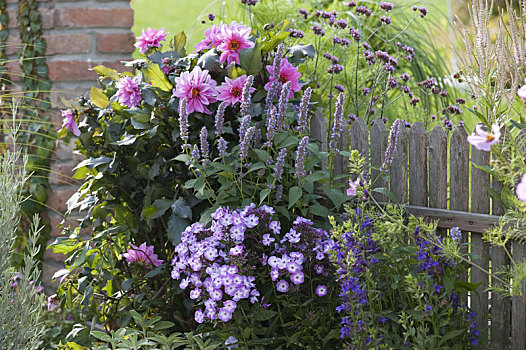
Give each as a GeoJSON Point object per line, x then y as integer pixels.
{"type": "Point", "coordinates": [198, 88]}
{"type": "Point", "coordinates": [129, 93]}
{"type": "Point", "coordinates": [234, 38]}
{"type": "Point", "coordinates": [150, 38]}
{"type": "Point", "coordinates": [211, 39]}
{"type": "Point", "coordinates": [143, 254]}
{"type": "Point", "coordinates": [483, 140]}
{"type": "Point", "coordinates": [69, 122]}
{"type": "Point", "coordinates": [521, 189]}
{"type": "Point", "coordinates": [287, 73]}
{"type": "Point", "coordinates": [231, 90]}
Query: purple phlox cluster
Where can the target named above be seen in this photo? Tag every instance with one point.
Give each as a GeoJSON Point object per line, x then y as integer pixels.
{"type": "Point", "coordinates": [150, 38]}
{"type": "Point", "coordinates": [129, 93]}
{"type": "Point", "coordinates": [198, 88]}
{"type": "Point", "coordinates": [245, 144]}
{"type": "Point", "coordinates": [303, 116]}
{"type": "Point", "coordinates": [521, 189]}
{"type": "Point", "coordinates": [300, 159]}
{"type": "Point", "coordinates": [143, 255]}
{"type": "Point", "coordinates": [219, 119]}
{"type": "Point", "coordinates": [337, 125]}
{"type": "Point", "coordinates": [280, 162]}
{"type": "Point", "coordinates": [483, 140]}
{"type": "Point", "coordinates": [183, 123]}
{"type": "Point", "coordinates": [391, 146]}
{"type": "Point", "coordinates": [228, 39]}
{"type": "Point", "coordinates": [246, 95]}
{"type": "Point", "coordinates": [231, 91]}
{"type": "Point", "coordinates": [69, 122]}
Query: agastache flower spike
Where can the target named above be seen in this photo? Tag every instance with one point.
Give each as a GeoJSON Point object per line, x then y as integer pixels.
{"type": "Point", "coordinates": [303, 117]}
{"type": "Point", "coordinates": [243, 126]}
{"type": "Point", "coordinates": [280, 162]}
{"type": "Point", "coordinates": [194, 157]}
{"type": "Point", "coordinates": [271, 126]}
{"type": "Point", "coordinates": [221, 146]}
{"type": "Point", "coordinates": [282, 106]}
{"type": "Point", "coordinates": [276, 65]}
{"type": "Point", "coordinates": [245, 95]}
{"type": "Point", "coordinates": [257, 136]}
{"type": "Point", "coordinates": [204, 143]}
{"type": "Point", "coordinates": [245, 144]}
{"type": "Point", "coordinates": [300, 159]}
{"type": "Point", "coordinates": [337, 124]}
{"type": "Point", "coordinates": [220, 119]}
{"type": "Point", "coordinates": [183, 123]}
{"type": "Point", "coordinates": [391, 146]}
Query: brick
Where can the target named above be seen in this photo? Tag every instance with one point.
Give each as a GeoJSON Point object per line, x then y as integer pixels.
{"type": "Point", "coordinates": [63, 151]}
{"type": "Point", "coordinates": [62, 174]}
{"type": "Point", "coordinates": [116, 42]}
{"type": "Point", "coordinates": [57, 198]}
{"type": "Point", "coordinates": [94, 17]}
{"type": "Point", "coordinates": [56, 97]}
{"type": "Point", "coordinates": [47, 17]}
{"type": "Point", "coordinates": [12, 44]}
{"type": "Point", "coordinates": [78, 70]}
{"type": "Point", "coordinates": [67, 43]}
{"type": "Point", "coordinates": [14, 70]}
{"type": "Point", "coordinates": [48, 270]}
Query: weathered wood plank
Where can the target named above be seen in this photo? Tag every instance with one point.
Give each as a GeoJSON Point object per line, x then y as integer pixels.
{"type": "Point", "coordinates": [518, 313]}
{"type": "Point", "coordinates": [451, 218]}
{"type": "Point", "coordinates": [459, 170]}
{"type": "Point", "coordinates": [500, 311]}
{"type": "Point", "coordinates": [480, 203]}
{"type": "Point", "coordinates": [341, 163]}
{"type": "Point", "coordinates": [398, 172]}
{"type": "Point", "coordinates": [418, 165]}
{"type": "Point", "coordinates": [438, 168]}
{"type": "Point", "coordinates": [378, 146]}
{"type": "Point", "coordinates": [360, 138]}
{"type": "Point", "coordinates": [318, 131]}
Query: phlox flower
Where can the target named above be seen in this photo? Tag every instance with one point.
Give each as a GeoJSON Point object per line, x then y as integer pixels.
{"type": "Point", "coordinates": [143, 254]}
{"type": "Point", "coordinates": [69, 122]}
{"type": "Point", "coordinates": [230, 92]}
{"type": "Point", "coordinates": [287, 73]}
{"type": "Point", "coordinates": [234, 38]}
{"type": "Point", "coordinates": [483, 140]}
{"type": "Point", "coordinates": [199, 316]}
{"type": "Point", "coordinates": [282, 286]}
{"type": "Point", "coordinates": [321, 290]}
{"type": "Point", "coordinates": [297, 278]}
{"type": "Point", "coordinates": [129, 93]}
{"type": "Point", "coordinates": [150, 38]}
{"type": "Point", "coordinates": [198, 88]}
{"type": "Point", "coordinates": [521, 189]}
{"type": "Point", "coordinates": [224, 314]}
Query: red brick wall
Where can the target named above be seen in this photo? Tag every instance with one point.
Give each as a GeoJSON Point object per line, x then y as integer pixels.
{"type": "Point", "coordinates": [79, 35]}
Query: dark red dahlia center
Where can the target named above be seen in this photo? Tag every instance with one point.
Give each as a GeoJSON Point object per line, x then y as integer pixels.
{"type": "Point", "coordinates": [282, 79]}
{"type": "Point", "coordinates": [236, 92]}
{"type": "Point", "coordinates": [195, 92]}
{"type": "Point", "coordinates": [234, 45]}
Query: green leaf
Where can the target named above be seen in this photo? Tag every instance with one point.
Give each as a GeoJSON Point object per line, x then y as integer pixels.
{"type": "Point", "coordinates": [178, 44]}
{"type": "Point", "coordinates": [294, 195]}
{"type": "Point", "coordinates": [264, 315]}
{"type": "Point", "coordinates": [155, 75]}
{"type": "Point", "coordinates": [263, 195]}
{"type": "Point", "coordinates": [319, 210]}
{"type": "Point", "coordinates": [180, 208]}
{"type": "Point", "coordinates": [274, 42]}
{"type": "Point", "coordinates": [176, 226]}
{"type": "Point", "coordinates": [101, 336]}
{"type": "Point", "coordinates": [302, 51]}
{"type": "Point", "coordinates": [98, 97]}
{"type": "Point", "coordinates": [163, 325]}
{"type": "Point", "coordinates": [386, 193]}
{"type": "Point", "coordinates": [93, 162]}
{"type": "Point", "coordinates": [157, 209]}
{"type": "Point", "coordinates": [106, 72]}
{"type": "Point", "coordinates": [250, 60]}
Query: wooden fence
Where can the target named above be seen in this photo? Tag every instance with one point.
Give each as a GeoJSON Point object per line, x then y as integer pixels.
{"type": "Point", "coordinates": [419, 179]}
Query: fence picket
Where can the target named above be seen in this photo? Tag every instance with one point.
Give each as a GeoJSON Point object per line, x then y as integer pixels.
{"type": "Point", "coordinates": [480, 203]}
{"type": "Point", "coordinates": [418, 165]}
{"type": "Point", "coordinates": [360, 138]}
{"type": "Point", "coordinates": [518, 315]}
{"type": "Point", "coordinates": [398, 174]}
{"type": "Point", "coordinates": [500, 311]}
{"type": "Point", "coordinates": [341, 163]}
{"type": "Point", "coordinates": [438, 168]}
{"type": "Point", "coordinates": [378, 146]}
{"type": "Point", "coordinates": [459, 170]}
{"type": "Point", "coordinates": [318, 131]}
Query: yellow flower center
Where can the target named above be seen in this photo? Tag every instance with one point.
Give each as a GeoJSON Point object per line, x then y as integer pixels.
{"type": "Point", "coordinates": [490, 137]}
{"type": "Point", "coordinates": [195, 92]}
{"type": "Point", "coordinates": [234, 45]}
{"type": "Point", "coordinates": [236, 92]}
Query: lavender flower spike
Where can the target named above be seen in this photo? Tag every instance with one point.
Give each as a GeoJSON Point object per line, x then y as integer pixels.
{"type": "Point", "coordinates": [183, 123]}
{"type": "Point", "coordinates": [282, 106]}
{"type": "Point", "coordinates": [245, 95]}
{"type": "Point", "coordinates": [280, 162]}
{"type": "Point", "coordinates": [247, 138]}
{"type": "Point", "coordinates": [337, 124]}
{"type": "Point", "coordinates": [303, 121]}
{"type": "Point", "coordinates": [220, 118]}
{"type": "Point", "coordinates": [243, 126]}
{"type": "Point", "coordinates": [221, 146]}
{"type": "Point", "coordinates": [204, 142]}
{"type": "Point", "coordinates": [271, 126]}
{"type": "Point", "coordinates": [194, 156]}
{"type": "Point", "coordinates": [276, 65]}
{"type": "Point", "coordinates": [300, 159]}
{"type": "Point", "coordinates": [391, 146]}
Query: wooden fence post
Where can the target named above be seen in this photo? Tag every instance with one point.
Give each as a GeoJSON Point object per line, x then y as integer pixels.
{"type": "Point", "coordinates": [360, 139]}
{"type": "Point", "coordinates": [398, 176]}
{"type": "Point", "coordinates": [378, 146]}
{"type": "Point", "coordinates": [418, 165]}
